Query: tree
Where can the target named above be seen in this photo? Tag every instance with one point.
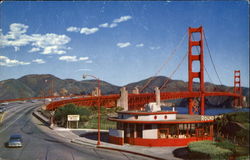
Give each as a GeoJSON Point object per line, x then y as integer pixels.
{"type": "Point", "coordinates": [63, 92]}
{"type": "Point", "coordinates": [71, 109]}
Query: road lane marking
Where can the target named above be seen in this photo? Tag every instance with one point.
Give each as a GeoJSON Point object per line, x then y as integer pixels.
{"type": "Point", "coordinates": [2, 118]}
{"type": "Point", "coordinates": [12, 122]}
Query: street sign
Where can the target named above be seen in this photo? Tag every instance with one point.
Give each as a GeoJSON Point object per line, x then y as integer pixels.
{"type": "Point", "coordinates": [207, 118]}
{"type": "Point", "coordinates": [73, 117]}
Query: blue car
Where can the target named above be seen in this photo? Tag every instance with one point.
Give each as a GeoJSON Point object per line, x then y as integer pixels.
{"type": "Point", "coordinates": [15, 141]}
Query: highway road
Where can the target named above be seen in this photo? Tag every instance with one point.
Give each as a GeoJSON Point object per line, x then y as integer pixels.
{"type": "Point", "coordinates": [41, 143]}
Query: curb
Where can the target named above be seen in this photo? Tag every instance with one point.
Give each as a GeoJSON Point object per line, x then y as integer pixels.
{"type": "Point", "coordinates": [47, 122]}
{"type": "Point", "coordinates": [40, 118]}
{"type": "Point", "coordinates": [82, 143]}
{"type": "Point", "coordinates": [141, 154]}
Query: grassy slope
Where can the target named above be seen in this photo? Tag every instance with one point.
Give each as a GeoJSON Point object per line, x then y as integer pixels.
{"type": "Point", "coordinates": [241, 119]}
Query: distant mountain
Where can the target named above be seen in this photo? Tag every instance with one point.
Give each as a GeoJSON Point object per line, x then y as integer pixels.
{"type": "Point", "coordinates": [13, 88]}
{"type": "Point", "coordinates": [38, 85]}
{"type": "Point", "coordinates": [179, 85]}
{"type": "Point", "coordinates": [45, 84]}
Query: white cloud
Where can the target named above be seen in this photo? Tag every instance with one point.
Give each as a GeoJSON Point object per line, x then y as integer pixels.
{"type": "Point", "coordinates": [5, 61]}
{"type": "Point", "coordinates": [73, 29]}
{"type": "Point", "coordinates": [88, 31]}
{"type": "Point", "coordinates": [115, 22]}
{"type": "Point", "coordinates": [112, 25]}
{"type": "Point", "coordinates": [83, 58]}
{"type": "Point", "coordinates": [140, 45]}
{"type": "Point", "coordinates": [68, 58]}
{"type": "Point", "coordinates": [34, 50]}
{"type": "Point", "coordinates": [16, 49]}
{"type": "Point", "coordinates": [122, 19]}
{"type": "Point", "coordinates": [73, 58]}
{"type": "Point", "coordinates": [85, 30]}
{"type": "Point", "coordinates": [123, 45]}
{"type": "Point", "coordinates": [104, 25]}
{"type": "Point", "coordinates": [15, 37]}
{"type": "Point", "coordinates": [17, 29]}
{"type": "Point", "coordinates": [154, 48]}
{"type": "Point", "coordinates": [39, 61]}
{"type": "Point", "coordinates": [49, 43]}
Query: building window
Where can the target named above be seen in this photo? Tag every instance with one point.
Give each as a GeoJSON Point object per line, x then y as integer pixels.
{"type": "Point", "coordinates": [119, 125]}
{"type": "Point", "coordinates": [139, 130]}
{"type": "Point", "coordinates": [147, 126]}
{"type": "Point", "coordinates": [163, 133]}
{"type": "Point", "coordinates": [192, 130]}
{"type": "Point", "coordinates": [132, 130]}
{"type": "Point", "coordinates": [199, 132]}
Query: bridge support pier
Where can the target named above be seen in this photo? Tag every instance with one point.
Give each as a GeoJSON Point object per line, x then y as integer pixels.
{"type": "Point", "coordinates": [202, 104]}
{"type": "Point", "coordinates": [237, 89]}
{"type": "Point", "coordinates": [96, 92]}
{"type": "Point", "coordinates": [123, 100]}
{"type": "Point", "coordinates": [135, 91]}
{"type": "Point", "coordinates": [190, 106]}
{"type": "Point", "coordinates": [158, 96]}
{"type": "Point", "coordinates": [198, 56]}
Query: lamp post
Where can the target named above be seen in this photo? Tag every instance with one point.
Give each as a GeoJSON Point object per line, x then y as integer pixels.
{"type": "Point", "coordinates": [52, 113]}
{"type": "Point", "coordinates": [99, 107]}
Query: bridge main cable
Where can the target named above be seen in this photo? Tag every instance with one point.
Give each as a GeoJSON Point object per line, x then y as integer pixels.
{"type": "Point", "coordinates": [165, 63]}
{"type": "Point", "coordinates": [178, 66]}
{"type": "Point", "coordinates": [212, 59]}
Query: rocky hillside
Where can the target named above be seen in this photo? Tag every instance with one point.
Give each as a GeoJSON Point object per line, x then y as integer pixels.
{"type": "Point", "coordinates": [38, 85]}
{"type": "Point", "coordinates": [179, 85]}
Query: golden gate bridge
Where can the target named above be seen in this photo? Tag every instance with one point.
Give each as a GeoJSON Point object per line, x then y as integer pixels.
{"type": "Point", "coordinates": [136, 101]}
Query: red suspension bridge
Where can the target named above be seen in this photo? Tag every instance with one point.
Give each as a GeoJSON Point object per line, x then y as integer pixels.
{"type": "Point", "coordinates": [138, 100]}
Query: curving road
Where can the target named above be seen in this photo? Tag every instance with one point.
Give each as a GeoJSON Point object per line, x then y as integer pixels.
{"type": "Point", "coordinates": [41, 143]}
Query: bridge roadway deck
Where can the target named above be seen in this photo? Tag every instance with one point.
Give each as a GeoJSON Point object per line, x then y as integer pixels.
{"type": "Point", "coordinates": [134, 100]}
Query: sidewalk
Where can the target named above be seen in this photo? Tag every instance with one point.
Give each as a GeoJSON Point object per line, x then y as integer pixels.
{"type": "Point", "coordinates": [73, 135]}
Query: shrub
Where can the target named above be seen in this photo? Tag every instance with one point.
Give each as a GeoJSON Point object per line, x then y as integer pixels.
{"type": "Point", "coordinates": [88, 116]}
{"type": "Point", "coordinates": [226, 144]}
{"type": "Point", "coordinates": [243, 158]}
{"type": "Point", "coordinates": [209, 149]}
{"type": "Point", "coordinates": [242, 117]}
{"type": "Point", "coordinates": [62, 112]}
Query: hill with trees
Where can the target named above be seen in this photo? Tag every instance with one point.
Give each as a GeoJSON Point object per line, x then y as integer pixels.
{"type": "Point", "coordinates": [40, 85]}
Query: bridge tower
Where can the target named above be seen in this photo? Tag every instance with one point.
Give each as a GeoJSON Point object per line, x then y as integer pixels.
{"type": "Point", "coordinates": [194, 56]}
{"type": "Point", "coordinates": [237, 88]}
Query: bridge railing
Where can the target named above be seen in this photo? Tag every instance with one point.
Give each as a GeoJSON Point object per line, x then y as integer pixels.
{"type": "Point", "coordinates": [107, 101]}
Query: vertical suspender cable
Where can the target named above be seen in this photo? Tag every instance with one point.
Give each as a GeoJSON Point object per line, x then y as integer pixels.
{"type": "Point", "coordinates": [174, 71]}
{"type": "Point", "coordinates": [165, 63]}
{"type": "Point", "coordinates": [211, 58]}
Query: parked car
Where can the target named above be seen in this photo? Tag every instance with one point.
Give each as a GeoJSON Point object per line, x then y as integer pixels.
{"type": "Point", "coordinates": [2, 109]}
{"type": "Point", "coordinates": [22, 102]}
{"type": "Point", "coordinates": [15, 141]}
{"type": "Point", "coordinates": [4, 104]}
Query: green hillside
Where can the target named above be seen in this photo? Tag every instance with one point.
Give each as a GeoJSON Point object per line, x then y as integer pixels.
{"type": "Point", "coordinates": [39, 85]}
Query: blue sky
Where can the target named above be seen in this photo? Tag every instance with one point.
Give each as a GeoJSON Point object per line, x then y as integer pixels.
{"type": "Point", "coordinates": [121, 42]}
